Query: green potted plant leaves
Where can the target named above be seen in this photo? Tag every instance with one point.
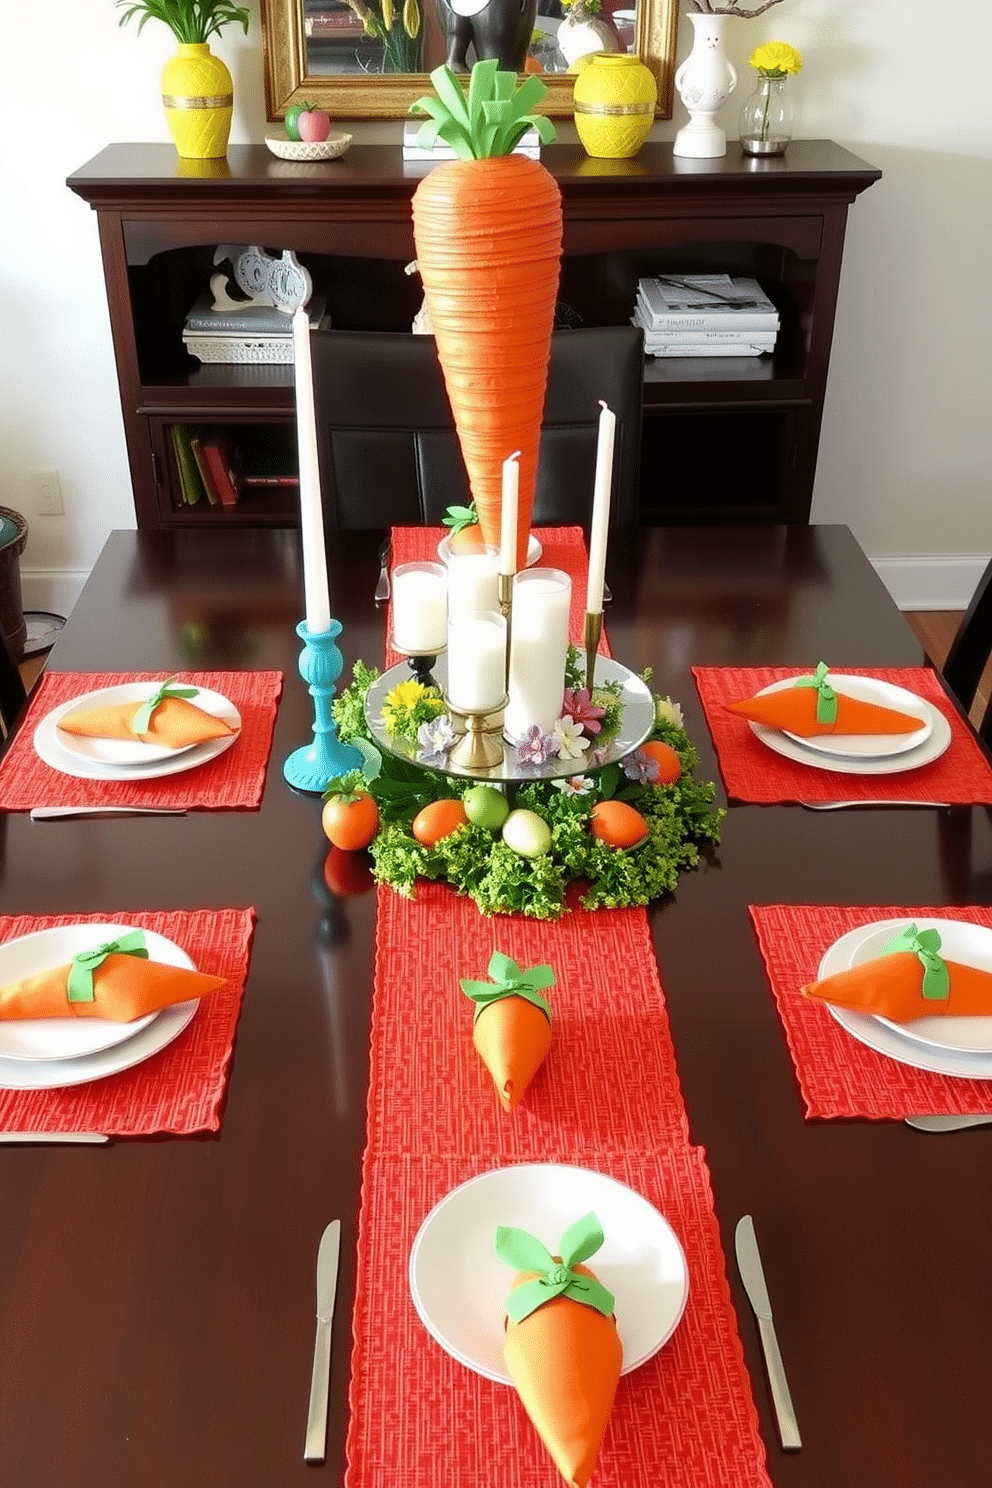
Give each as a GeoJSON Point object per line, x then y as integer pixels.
{"type": "Point", "coordinates": [197, 91]}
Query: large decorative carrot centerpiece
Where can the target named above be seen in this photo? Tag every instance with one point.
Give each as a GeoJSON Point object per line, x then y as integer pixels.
{"type": "Point", "coordinates": [488, 228]}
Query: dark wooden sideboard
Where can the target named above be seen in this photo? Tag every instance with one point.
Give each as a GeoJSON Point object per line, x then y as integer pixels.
{"type": "Point", "coordinates": [780, 220]}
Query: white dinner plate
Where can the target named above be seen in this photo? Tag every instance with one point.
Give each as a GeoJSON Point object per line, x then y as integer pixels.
{"type": "Point", "coordinates": [534, 550]}
{"type": "Point", "coordinates": [868, 746]}
{"type": "Point", "coordinates": [70, 1038]}
{"type": "Point", "coordinates": [888, 1038]}
{"type": "Point", "coordinates": [458, 1282]}
{"type": "Point", "coordinates": [810, 752]}
{"type": "Point", "coordinates": [90, 760]}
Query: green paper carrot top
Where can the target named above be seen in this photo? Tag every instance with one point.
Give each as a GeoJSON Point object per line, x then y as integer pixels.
{"type": "Point", "coordinates": [555, 1278]}
{"type": "Point", "coordinates": [489, 119]}
{"type": "Point", "coordinates": [826, 698]}
{"type": "Point", "coordinates": [511, 1029]}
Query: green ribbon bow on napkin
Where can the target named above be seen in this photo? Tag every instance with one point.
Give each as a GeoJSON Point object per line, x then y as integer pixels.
{"type": "Point", "coordinates": [141, 721]}
{"type": "Point", "coordinates": [508, 980]}
{"type": "Point", "coordinates": [79, 986]}
{"type": "Point", "coordinates": [826, 699]}
{"type": "Point", "coordinates": [924, 945]}
{"type": "Point", "coordinates": [556, 1278]}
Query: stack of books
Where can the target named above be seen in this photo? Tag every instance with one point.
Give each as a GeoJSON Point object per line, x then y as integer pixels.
{"type": "Point", "coordinates": [693, 315]}
{"type": "Point", "coordinates": [257, 333]}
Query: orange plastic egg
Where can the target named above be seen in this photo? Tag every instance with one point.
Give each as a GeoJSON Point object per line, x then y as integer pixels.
{"type": "Point", "coordinates": [617, 824]}
{"type": "Point", "coordinates": [668, 762]}
{"type": "Point", "coordinates": [437, 821]}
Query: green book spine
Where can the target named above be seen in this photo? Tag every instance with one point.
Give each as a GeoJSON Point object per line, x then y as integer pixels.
{"type": "Point", "coordinates": [189, 474]}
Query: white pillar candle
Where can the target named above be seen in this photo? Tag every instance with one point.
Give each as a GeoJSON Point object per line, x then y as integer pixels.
{"type": "Point", "coordinates": [538, 649]}
{"type": "Point", "coordinates": [420, 608]}
{"type": "Point", "coordinates": [476, 662]}
{"type": "Point", "coordinates": [508, 515]}
{"type": "Point", "coordinates": [601, 510]}
{"type": "Point", "coordinates": [316, 603]}
{"type": "Point", "coordinates": [472, 581]}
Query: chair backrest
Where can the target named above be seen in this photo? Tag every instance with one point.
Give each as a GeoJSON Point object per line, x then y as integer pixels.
{"type": "Point", "coordinates": [971, 651]}
{"type": "Point", "coordinates": [389, 454]}
{"type": "Point", "coordinates": [12, 692]}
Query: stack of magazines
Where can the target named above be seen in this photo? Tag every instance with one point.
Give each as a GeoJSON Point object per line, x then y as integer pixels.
{"type": "Point", "coordinates": [693, 315]}
{"type": "Point", "coordinates": [255, 333]}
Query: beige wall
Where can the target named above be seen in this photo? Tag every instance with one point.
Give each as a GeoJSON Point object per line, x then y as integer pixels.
{"type": "Point", "coordinates": [906, 453]}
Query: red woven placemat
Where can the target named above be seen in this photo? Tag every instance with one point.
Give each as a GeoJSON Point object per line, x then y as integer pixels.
{"type": "Point", "coordinates": [753, 772]}
{"type": "Point", "coordinates": [684, 1419]}
{"type": "Point", "coordinates": [610, 1079]}
{"type": "Point", "coordinates": [608, 1099]}
{"type": "Point", "coordinates": [838, 1076]}
{"type": "Point", "coordinates": [233, 779]}
{"type": "Point", "coordinates": [563, 547]}
{"type": "Point", "coordinates": [179, 1089]}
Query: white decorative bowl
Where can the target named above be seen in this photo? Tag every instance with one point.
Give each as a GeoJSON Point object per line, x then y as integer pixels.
{"type": "Point", "coordinates": [287, 149]}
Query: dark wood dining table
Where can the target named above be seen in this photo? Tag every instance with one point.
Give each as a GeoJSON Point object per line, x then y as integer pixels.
{"type": "Point", "coordinates": [157, 1295]}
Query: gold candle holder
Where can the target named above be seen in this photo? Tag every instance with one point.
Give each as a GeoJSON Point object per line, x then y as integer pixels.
{"type": "Point", "coordinates": [481, 745]}
{"type": "Point", "coordinates": [592, 633]}
{"type": "Point", "coordinates": [504, 594]}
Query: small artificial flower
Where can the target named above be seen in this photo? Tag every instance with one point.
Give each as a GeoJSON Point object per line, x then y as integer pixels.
{"type": "Point", "coordinates": [665, 711]}
{"type": "Point", "coordinates": [403, 695]}
{"type": "Point", "coordinates": [435, 739]}
{"type": "Point", "coordinates": [536, 748]}
{"type": "Point", "coordinates": [577, 704]}
{"type": "Point", "coordinates": [570, 739]}
{"type": "Point", "coordinates": [575, 785]}
{"type": "Point", "coordinates": [641, 767]}
{"type": "Point", "coordinates": [776, 59]}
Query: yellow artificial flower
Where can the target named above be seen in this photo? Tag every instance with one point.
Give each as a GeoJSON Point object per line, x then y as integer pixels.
{"type": "Point", "coordinates": [387, 14]}
{"type": "Point", "coordinates": [411, 18]}
{"type": "Point", "coordinates": [776, 59]}
{"type": "Point", "coordinates": [403, 695]}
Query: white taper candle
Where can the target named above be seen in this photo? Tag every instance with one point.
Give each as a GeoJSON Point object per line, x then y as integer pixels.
{"type": "Point", "coordinates": [508, 515]}
{"type": "Point", "coordinates": [316, 603]}
{"type": "Point", "coordinates": [600, 527]}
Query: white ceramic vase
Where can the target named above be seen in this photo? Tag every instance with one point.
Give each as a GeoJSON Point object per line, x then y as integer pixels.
{"type": "Point", "coordinates": [581, 38]}
{"type": "Point", "coordinates": [705, 81]}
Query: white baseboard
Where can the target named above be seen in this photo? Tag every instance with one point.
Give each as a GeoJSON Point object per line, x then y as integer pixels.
{"type": "Point", "coordinates": [930, 583]}
{"type": "Point", "coordinates": [50, 589]}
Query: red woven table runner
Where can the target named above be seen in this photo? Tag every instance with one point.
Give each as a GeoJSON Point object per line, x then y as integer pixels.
{"type": "Point", "coordinates": [562, 547]}
{"type": "Point", "coordinates": [838, 1076]}
{"type": "Point", "coordinates": [607, 1098]}
{"type": "Point", "coordinates": [178, 1090]}
{"type": "Point", "coordinates": [753, 772]}
{"type": "Point", "coordinates": [234, 779]}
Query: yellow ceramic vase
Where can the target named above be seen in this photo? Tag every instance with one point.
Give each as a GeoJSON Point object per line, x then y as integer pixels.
{"type": "Point", "coordinates": [198, 97]}
{"type": "Point", "coordinates": [614, 99]}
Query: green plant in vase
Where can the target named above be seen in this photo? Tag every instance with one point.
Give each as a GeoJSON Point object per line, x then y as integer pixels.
{"type": "Point", "coordinates": [399, 31]}
{"type": "Point", "coordinates": [197, 91]}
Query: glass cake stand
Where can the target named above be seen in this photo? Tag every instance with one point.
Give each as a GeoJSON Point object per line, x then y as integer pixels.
{"type": "Point", "coordinates": [636, 725]}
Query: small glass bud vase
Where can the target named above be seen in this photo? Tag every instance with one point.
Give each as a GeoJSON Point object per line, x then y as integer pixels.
{"type": "Point", "coordinates": [766, 118]}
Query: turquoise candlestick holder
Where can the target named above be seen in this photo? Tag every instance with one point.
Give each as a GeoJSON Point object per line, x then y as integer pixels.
{"type": "Point", "coordinates": [310, 768]}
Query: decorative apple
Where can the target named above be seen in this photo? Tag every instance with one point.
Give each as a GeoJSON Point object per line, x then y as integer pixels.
{"type": "Point", "coordinates": [314, 125]}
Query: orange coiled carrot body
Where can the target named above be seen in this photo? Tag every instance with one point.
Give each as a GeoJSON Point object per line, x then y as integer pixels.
{"type": "Point", "coordinates": [488, 235]}
{"type": "Point", "coordinates": [565, 1360]}
{"type": "Point", "coordinates": [794, 709]}
{"type": "Point", "coordinates": [892, 987]}
{"type": "Point", "coordinates": [512, 1038]}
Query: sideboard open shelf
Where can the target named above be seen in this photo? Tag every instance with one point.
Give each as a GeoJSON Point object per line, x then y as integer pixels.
{"type": "Point", "coordinates": [780, 220]}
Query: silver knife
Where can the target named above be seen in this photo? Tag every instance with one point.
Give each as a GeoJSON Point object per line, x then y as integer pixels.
{"type": "Point", "coordinates": [54, 1137]}
{"type": "Point", "coordinates": [382, 585]}
{"type": "Point", "coordinates": [753, 1277]}
{"type": "Point", "coordinates": [320, 1379]}
{"type": "Point", "coordinates": [56, 813]}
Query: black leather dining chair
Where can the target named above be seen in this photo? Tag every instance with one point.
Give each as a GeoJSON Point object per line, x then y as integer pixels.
{"type": "Point", "coordinates": [971, 651]}
{"type": "Point", "coordinates": [388, 450]}
{"type": "Point", "coordinates": [13, 695]}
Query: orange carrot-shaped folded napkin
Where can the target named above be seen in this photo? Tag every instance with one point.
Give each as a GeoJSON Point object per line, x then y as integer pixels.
{"type": "Point", "coordinates": [909, 980]}
{"type": "Point", "coordinates": [562, 1347]}
{"type": "Point", "coordinates": [114, 981]}
{"type": "Point", "coordinates": [811, 707]}
{"type": "Point", "coordinates": [166, 717]}
{"type": "Point", "coordinates": [512, 1027]}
